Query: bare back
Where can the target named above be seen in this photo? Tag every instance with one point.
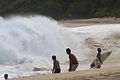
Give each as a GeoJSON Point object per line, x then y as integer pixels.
{"type": "Point", "coordinates": [73, 59]}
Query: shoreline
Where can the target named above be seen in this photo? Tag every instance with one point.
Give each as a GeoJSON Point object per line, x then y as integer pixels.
{"type": "Point", "coordinates": [88, 22]}
{"type": "Point", "coordinates": [96, 74]}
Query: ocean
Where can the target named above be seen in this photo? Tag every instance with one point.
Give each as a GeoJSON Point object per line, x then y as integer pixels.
{"type": "Point", "coordinates": [30, 41]}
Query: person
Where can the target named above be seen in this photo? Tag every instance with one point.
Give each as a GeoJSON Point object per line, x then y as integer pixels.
{"type": "Point", "coordinates": [73, 62]}
{"type": "Point", "coordinates": [99, 57]}
{"type": "Point", "coordinates": [5, 76]}
{"type": "Point", "coordinates": [56, 65]}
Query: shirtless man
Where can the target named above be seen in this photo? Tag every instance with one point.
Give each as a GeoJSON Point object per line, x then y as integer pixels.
{"type": "Point", "coordinates": [56, 65]}
{"type": "Point", "coordinates": [73, 64]}
{"type": "Point", "coordinates": [99, 57]}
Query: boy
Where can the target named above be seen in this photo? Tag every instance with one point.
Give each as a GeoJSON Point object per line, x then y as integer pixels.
{"type": "Point", "coordinates": [56, 65]}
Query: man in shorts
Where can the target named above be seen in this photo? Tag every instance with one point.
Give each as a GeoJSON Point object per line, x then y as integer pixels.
{"type": "Point", "coordinates": [73, 64]}
{"type": "Point", "coordinates": [56, 65]}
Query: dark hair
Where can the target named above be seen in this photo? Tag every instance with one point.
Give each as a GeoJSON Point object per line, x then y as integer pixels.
{"type": "Point", "coordinates": [53, 57]}
{"type": "Point", "coordinates": [68, 50]}
{"type": "Point", "coordinates": [99, 49]}
{"type": "Point", "coordinates": [6, 76]}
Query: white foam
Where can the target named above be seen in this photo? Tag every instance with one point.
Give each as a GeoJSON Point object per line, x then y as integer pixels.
{"type": "Point", "coordinates": [27, 42]}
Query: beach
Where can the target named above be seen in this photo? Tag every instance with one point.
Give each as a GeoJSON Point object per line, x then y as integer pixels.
{"type": "Point", "coordinates": [88, 22]}
{"type": "Point", "coordinates": [111, 73]}
{"type": "Point", "coordinates": [110, 69]}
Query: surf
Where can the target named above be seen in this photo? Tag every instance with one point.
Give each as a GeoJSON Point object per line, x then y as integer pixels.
{"type": "Point", "coordinates": [30, 41]}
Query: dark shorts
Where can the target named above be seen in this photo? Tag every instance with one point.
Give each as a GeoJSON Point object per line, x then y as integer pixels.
{"type": "Point", "coordinates": [57, 70]}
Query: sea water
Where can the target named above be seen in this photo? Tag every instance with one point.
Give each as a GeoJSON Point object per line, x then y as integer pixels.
{"type": "Point", "coordinates": [28, 42]}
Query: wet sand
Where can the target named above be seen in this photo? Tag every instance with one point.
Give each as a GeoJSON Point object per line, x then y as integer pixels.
{"type": "Point", "coordinates": [88, 22]}
{"type": "Point", "coordinates": [111, 73]}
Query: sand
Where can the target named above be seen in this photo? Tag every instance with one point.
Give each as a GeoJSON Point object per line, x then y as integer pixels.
{"type": "Point", "coordinates": [111, 73]}
{"type": "Point", "coordinates": [88, 22]}
{"type": "Point", "coordinates": [110, 69]}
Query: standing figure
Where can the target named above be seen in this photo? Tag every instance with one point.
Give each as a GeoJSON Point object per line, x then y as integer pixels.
{"type": "Point", "coordinates": [73, 62]}
{"type": "Point", "coordinates": [99, 57]}
{"type": "Point", "coordinates": [56, 65]}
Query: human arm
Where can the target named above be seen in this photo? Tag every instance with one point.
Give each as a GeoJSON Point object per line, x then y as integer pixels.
{"type": "Point", "coordinates": [70, 63]}
{"type": "Point", "coordinates": [70, 66]}
{"type": "Point", "coordinates": [100, 60]}
{"type": "Point", "coordinates": [99, 57]}
{"type": "Point", "coordinates": [53, 68]}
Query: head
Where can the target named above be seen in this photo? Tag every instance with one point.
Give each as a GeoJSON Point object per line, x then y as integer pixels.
{"type": "Point", "coordinates": [5, 76]}
{"type": "Point", "coordinates": [53, 57]}
{"type": "Point", "coordinates": [68, 51]}
{"type": "Point", "coordinates": [99, 50]}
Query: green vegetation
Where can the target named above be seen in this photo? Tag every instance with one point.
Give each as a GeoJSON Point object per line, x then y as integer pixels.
{"type": "Point", "coordinates": [62, 9]}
